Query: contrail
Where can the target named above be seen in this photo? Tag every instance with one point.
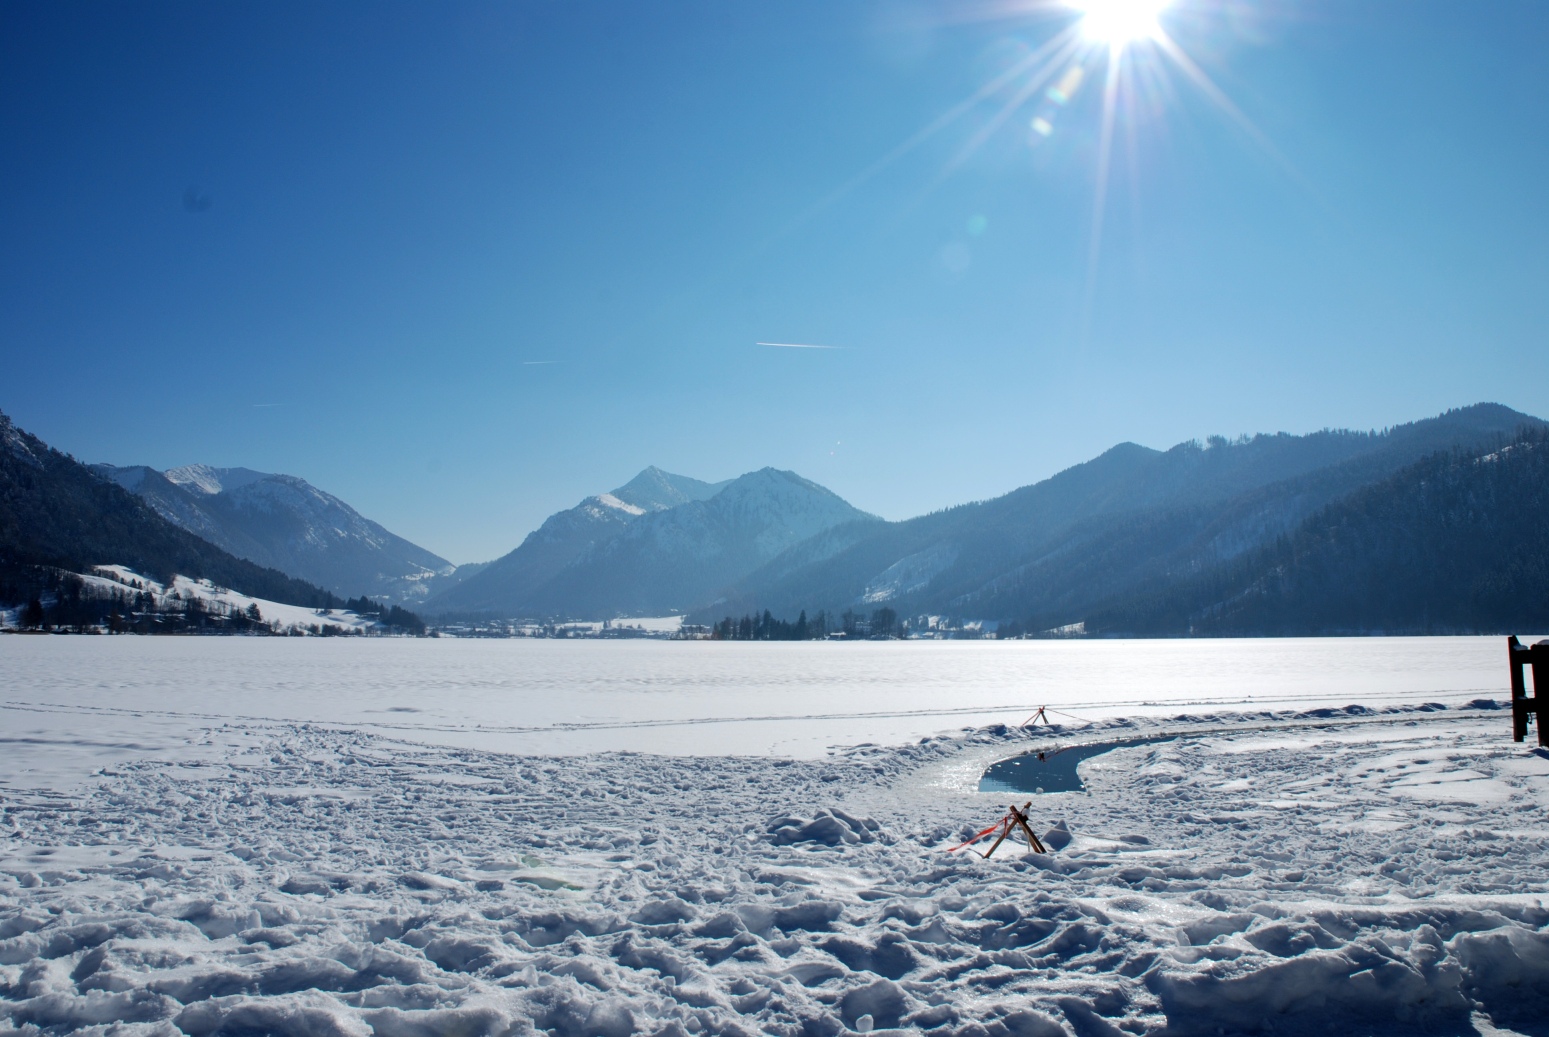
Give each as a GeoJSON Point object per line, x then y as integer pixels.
{"type": "Point", "coordinates": [795, 345]}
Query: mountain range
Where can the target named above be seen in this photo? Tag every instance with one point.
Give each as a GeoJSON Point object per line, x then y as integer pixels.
{"type": "Point", "coordinates": [1456, 543]}
{"type": "Point", "coordinates": [659, 544]}
{"type": "Point", "coordinates": [1047, 555]}
{"type": "Point", "coordinates": [57, 514]}
{"type": "Point", "coordinates": [1137, 540]}
{"type": "Point", "coordinates": [285, 523]}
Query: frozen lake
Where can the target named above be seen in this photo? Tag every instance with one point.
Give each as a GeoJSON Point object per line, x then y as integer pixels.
{"type": "Point", "coordinates": [69, 704]}
{"type": "Point", "coordinates": [331, 837]}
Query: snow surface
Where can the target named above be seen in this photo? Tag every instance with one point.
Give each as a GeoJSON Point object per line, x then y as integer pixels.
{"type": "Point", "coordinates": [650, 624]}
{"type": "Point", "coordinates": [210, 481]}
{"type": "Point", "coordinates": [909, 574]}
{"type": "Point", "coordinates": [311, 840]}
{"type": "Point", "coordinates": [610, 501]}
{"type": "Point", "coordinates": [706, 698]}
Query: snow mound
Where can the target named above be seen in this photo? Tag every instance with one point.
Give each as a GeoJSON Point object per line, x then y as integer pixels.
{"type": "Point", "coordinates": [830, 826]}
{"type": "Point", "coordinates": [1056, 838]}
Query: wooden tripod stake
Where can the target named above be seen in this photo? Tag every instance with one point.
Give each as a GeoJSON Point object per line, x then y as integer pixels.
{"type": "Point", "coordinates": [1040, 715]}
{"type": "Point", "coordinates": [1018, 818]}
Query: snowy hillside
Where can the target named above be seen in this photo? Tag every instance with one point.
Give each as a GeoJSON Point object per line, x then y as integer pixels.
{"type": "Point", "coordinates": [281, 618]}
{"type": "Point", "coordinates": [285, 523]}
{"type": "Point", "coordinates": [203, 595]}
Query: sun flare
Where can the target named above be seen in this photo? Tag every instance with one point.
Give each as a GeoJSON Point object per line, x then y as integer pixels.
{"type": "Point", "coordinates": [1120, 22]}
{"type": "Point", "coordinates": [1117, 49]}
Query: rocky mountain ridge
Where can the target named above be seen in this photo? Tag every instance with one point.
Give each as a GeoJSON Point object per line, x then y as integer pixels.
{"type": "Point", "coordinates": [660, 544]}
{"type": "Point", "coordinates": [284, 522]}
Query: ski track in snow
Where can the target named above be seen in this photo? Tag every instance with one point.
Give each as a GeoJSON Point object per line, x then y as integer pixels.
{"type": "Point", "coordinates": [1339, 871]}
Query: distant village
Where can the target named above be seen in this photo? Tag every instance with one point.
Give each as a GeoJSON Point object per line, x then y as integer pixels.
{"type": "Point", "coordinates": [881, 625]}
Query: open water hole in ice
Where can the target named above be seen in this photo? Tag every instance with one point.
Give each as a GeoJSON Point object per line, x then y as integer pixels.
{"type": "Point", "coordinates": [1050, 770]}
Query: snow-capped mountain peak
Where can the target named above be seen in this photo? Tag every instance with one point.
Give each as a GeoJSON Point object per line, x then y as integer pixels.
{"type": "Point", "coordinates": [210, 481]}
{"type": "Point", "coordinates": [658, 544]}
{"type": "Point", "coordinates": [286, 523]}
{"type": "Point", "coordinates": [608, 500]}
{"type": "Point", "coordinates": [657, 490]}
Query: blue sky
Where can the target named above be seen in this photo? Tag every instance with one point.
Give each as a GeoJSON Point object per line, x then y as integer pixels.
{"type": "Point", "coordinates": [464, 264]}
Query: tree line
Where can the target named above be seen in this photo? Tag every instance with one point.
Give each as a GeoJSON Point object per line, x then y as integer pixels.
{"type": "Point", "coordinates": [882, 623]}
{"type": "Point", "coordinates": [394, 616]}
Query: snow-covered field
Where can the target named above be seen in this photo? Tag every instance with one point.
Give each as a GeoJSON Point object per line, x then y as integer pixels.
{"type": "Point", "coordinates": [315, 837]}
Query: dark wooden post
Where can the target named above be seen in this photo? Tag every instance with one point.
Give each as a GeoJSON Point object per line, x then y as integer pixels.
{"type": "Point", "coordinates": [1516, 656]}
{"type": "Point", "coordinates": [1539, 654]}
{"type": "Point", "coordinates": [1523, 705]}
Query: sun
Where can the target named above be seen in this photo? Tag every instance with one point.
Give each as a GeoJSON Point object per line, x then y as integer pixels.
{"type": "Point", "coordinates": [1120, 47]}
{"type": "Point", "coordinates": [1120, 22]}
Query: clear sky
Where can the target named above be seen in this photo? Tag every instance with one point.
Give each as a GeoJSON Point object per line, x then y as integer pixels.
{"type": "Point", "coordinates": [463, 264]}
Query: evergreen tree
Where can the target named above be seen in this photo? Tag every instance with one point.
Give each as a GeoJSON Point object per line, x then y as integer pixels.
{"type": "Point", "coordinates": [883, 622]}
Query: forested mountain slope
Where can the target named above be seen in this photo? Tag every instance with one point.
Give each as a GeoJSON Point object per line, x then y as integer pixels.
{"type": "Point", "coordinates": [1457, 543]}
{"type": "Point", "coordinates": [285, 523]}
{"type": "Point", "coordinates": [54, 511]}
{"type": "Point", "coordinates": [1047, 554]}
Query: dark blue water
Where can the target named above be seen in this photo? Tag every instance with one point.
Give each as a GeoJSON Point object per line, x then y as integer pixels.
{"type": "Point", "coordinates": [1049, 770]}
